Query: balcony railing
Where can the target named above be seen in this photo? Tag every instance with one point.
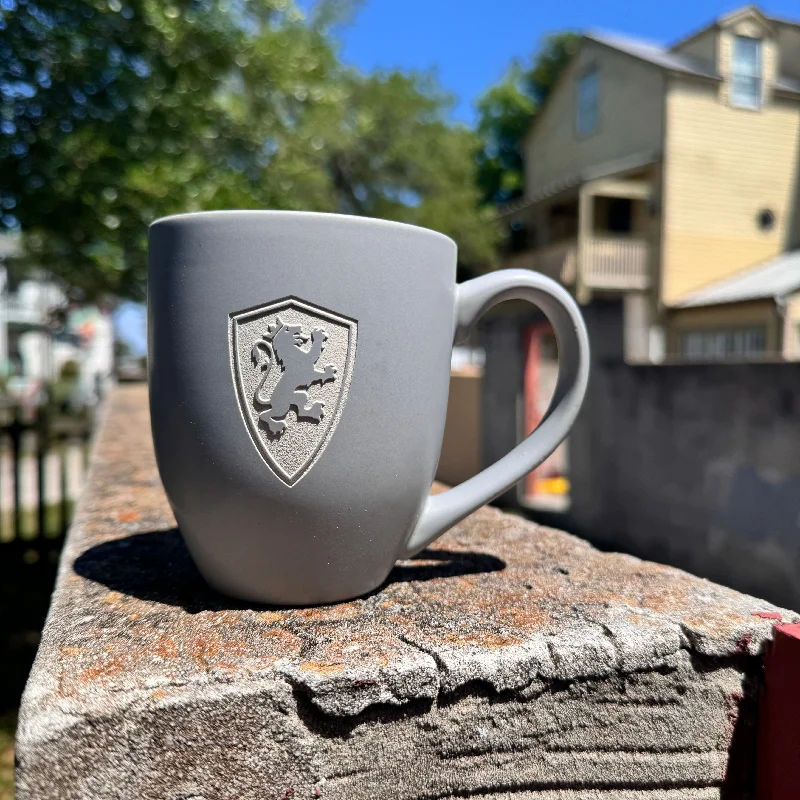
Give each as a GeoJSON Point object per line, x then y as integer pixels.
{"type": "Point", "coordinates": [615, 263]}
{"type": "Point", "coordinates": [610, 262]}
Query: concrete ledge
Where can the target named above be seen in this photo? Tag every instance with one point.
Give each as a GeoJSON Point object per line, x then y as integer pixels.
{"type": "Point", "coordinates": [510, 660]}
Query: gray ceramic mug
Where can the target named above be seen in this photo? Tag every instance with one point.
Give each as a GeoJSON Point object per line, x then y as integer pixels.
{"type": "Point", "coordinates": [299, 369]}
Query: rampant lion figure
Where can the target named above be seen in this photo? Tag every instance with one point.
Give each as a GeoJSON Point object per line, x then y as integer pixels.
{"type": "Point", "coordinates": [283, 344]}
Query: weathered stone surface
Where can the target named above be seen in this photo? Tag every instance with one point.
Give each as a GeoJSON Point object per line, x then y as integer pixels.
{"type": "Point", "coordinates": [509, 660]}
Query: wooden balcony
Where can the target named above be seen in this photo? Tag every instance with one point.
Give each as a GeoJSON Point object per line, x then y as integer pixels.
{"type": "Point", "coordinates": [615, 263]}
{"type": "Point", "coordinates": [609, 262]}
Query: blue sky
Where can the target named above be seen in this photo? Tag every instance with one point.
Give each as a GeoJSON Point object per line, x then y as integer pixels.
{"type": "Point", "coordinates": [469, 43]}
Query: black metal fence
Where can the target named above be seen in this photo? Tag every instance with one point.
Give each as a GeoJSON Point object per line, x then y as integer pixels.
{"type": "Point", "coordinates": [30, 442]}
{"type": "Point", "coordinates": [39, 448]}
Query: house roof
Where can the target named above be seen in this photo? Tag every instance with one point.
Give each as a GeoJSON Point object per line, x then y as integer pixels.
{"type": "Point", "coordinates": [775, 279]}
{"type": "Point", "coordinates": [738, 13]}
{"type": "Point", "coordinates": [667, 59]}
{"type": "Point", "coordinates": [654, 54]}
{"type": "Point", "coordinates": [787, 84]}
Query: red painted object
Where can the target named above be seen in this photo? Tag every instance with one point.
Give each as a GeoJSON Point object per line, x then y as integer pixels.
{"type": "Point", "coordinates": [779, 723]}
{"type": "Point", "coordinates": [536, 395]}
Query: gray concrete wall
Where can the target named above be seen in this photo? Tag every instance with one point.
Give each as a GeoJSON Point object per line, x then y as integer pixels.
{"type": "Point", "coordinates": [502, 338]}
{"type": "Point", "coordinates": [697, 466]}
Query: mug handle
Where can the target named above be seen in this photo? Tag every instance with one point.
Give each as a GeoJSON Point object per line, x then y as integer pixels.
{"type": "Point", "coordinates": [473, 299]}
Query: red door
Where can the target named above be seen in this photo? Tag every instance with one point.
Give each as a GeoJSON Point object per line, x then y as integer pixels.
{"type": "Point", "coordinates": [541, 373]}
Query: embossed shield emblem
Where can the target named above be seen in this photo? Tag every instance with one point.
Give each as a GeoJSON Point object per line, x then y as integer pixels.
{"type": "Point", "coordinates": [291, 364]}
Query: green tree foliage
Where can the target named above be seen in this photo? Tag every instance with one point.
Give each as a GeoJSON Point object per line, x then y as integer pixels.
{"type": "Point", "coordinates": [394, 128]}
{"type": "Point", "coordinates": [505, 113]}
{"type": "Point", "coordinates": [115, 112]}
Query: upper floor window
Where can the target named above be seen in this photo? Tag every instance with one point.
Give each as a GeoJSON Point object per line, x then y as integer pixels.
{"type": "Point", "coordinates": [746, 72]}
{"type": "Point", "coordinates": [586, 118]}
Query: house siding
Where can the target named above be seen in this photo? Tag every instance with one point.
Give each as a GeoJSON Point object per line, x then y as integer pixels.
{"type": "Point", "coordinates": [552, 148]}
{"type": "Point", "coordinates": [724, 317]}
{"type": "Point", "coordinates": [722, 166]}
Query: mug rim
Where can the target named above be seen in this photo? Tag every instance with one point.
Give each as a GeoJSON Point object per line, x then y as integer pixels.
{"type": "Point", "coordinates": [349, 218]}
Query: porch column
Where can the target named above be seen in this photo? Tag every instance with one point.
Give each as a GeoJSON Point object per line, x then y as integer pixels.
{"type": "Point", "coordinates": [585, 227]}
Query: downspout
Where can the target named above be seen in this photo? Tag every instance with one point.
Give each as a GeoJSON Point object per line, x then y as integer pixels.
{"type": "Point", "coordinates": [780, 306]}
{"type": "Point", "coordinates": [659, 319]}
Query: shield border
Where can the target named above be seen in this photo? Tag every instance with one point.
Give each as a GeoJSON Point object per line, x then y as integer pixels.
{"type": "Point", "coordinates": [309, 308]}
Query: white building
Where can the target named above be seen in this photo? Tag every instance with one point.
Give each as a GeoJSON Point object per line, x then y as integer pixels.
{"type": "Point", "coordinates": [40, 331]}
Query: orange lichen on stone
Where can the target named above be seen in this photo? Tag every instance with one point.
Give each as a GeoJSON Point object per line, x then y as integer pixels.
{"type": "Point", "coordinates": [165, 647]}
{"type": "Point", "coordinates": [483, 639]}
{"type": "Point", "coordinates": [322, 667]}
{"type": "Point", "coordinates": [107, 668]}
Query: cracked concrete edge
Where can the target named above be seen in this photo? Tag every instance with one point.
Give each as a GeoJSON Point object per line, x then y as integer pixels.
{"type": "Point", "coordinates": [426, 673]}
{"type": "Point", "coordinates": [274, 700]}
{"type": "Point", "coordinates": [598, 648]}
{"type": "Point", "coordinates": [591, 650]}
{"type": "Point", "coordinates": [356, 689]}
{"type": "Point", "coordinates": [431, 679]}
{"type": "Point", "coordinates": [274, 707]}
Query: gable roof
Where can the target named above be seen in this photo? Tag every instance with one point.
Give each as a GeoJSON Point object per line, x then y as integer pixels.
{"type": "Point", "coordinates": [776, 278]}
{"type": "Point", "coordinates": [655, 54]}
{"type": "Point", "coordinates": [666, 58]}
{"type": "Point", "coordinates": [787, 84]}
{"type": "Point", "coordinates": [732, 17]}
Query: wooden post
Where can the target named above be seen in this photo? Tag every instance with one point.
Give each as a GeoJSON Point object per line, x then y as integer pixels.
{"type": "Point", "coordinates": [585, 230]}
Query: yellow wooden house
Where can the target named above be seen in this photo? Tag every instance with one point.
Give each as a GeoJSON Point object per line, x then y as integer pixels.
{"type": "Point", "coordinates": [670, 176]}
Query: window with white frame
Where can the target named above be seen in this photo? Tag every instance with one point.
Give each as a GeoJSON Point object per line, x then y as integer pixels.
{"type": "Point", "coordinates": [588, 99]}
{"type": "Point", "coordinates": [746, 72]}
{"type": "Point", "coordinates": [721, 345]}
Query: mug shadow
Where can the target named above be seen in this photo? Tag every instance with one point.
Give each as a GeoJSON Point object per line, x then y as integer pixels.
{"type": "Point", "coordinates": [156, 567]}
